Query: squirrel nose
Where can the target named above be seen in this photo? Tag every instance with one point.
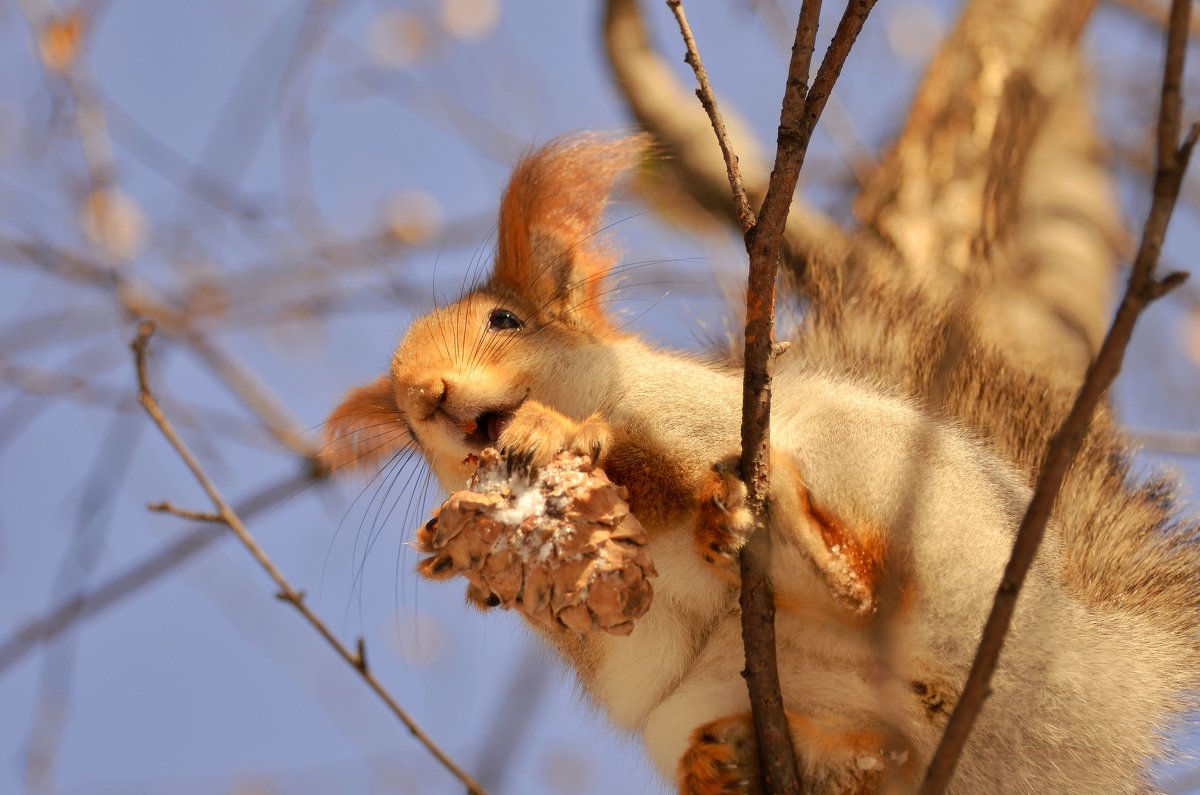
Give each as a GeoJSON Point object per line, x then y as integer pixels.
{"type": "Point", "coordinates": [431, 395]}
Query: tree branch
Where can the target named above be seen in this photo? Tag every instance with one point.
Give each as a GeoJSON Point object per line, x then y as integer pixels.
{"type": "Point", "coordinates": [664, 108]}
{"type": "Point", "coordinates": [356, 659]}
{"type": "Point", "coordinates": [137, 297]}
{"type": "Point", "coordinates": [1142, 289]}
{"type": "Point", "coordinates": [801, 108]}
{"type": "Point", "coordinates": [133, 579]}
{"type": "Point", "coordinates": [184, 513]}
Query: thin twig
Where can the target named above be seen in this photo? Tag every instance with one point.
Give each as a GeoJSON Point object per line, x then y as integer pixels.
{"type": "Point", "coordinates": [356, 659]}
{"type": "Point", "coordinates": [764, 242]}
{"type": "Point", "coordinates": [776, 755]}
{"type": "Point", "coordinates": [801, 108]}
{"type": "Point", "coordinates": [137, 297]}
{"type": "Point", "coordinates": [1142, 289]}
{"type": "Point", "coordinates": [708, 99]}
{"type": "Point", "coordinates": [140, 575]}
{"type": "Point", "coordinates": [184, 513]}
{"type": "Point", "coordinates": [661, 105]}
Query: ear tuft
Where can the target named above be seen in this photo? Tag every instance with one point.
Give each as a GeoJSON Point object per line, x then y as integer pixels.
{"type": "Point", "coordinates": [365, 427]}
{"type": "Point", "coordinates": [550, 250]}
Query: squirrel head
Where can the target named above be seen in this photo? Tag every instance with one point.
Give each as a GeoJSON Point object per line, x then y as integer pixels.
{"type": "Point", "coordinates": [536, 328]}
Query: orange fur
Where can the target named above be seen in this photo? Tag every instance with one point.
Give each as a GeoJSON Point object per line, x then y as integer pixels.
{"type": "Point", "coordinates": [722, 521]}
{"type": "Point", "coordinates": [537, 433]}
{"type": "Point", "coordinates": [366, 427]}
{"type": "Point", "coordinates": [550, 216]}
{"type": "Point", "coordinates": [660, 490]}
{"type": "Point", "coordinates": [861, 548]}
{"type": "Point", "coordinates": [720, 759]}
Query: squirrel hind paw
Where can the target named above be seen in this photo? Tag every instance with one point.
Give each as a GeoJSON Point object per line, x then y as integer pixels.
{"type": "Point", "coordinates": [721, 759]}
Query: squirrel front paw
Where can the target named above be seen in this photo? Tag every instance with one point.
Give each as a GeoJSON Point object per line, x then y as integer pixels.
{"type": "Point", "coordinates": [537, 433]}
{"type": "Point", "coordinates": [723, 522]}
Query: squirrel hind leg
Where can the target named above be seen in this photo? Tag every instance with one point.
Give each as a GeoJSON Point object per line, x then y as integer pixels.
{"type": "Point", "coordinates": [848, 556]}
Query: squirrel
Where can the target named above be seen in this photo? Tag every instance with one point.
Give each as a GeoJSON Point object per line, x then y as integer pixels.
{"type": "Point", "coordinates": [899, 475]}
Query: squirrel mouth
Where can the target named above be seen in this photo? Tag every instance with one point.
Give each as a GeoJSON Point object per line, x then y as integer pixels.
{"type": "Point", "coordinates": [485, 429]}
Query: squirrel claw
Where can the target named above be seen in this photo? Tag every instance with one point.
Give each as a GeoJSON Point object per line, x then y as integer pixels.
{"type": "Point", "coordinates": [537, 433]}
{"type": "Point", "coordinates": [723, 523]}
{"type": "Point", "coordinates": [721, 759]}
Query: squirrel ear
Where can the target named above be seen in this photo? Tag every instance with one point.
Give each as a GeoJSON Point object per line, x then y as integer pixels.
{"type": "Point", "coordinates": [550, 251]}
{"type": "Point", "coordinates": [365, 427]}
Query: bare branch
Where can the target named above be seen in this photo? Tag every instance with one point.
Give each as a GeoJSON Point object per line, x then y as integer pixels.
{"type": "Point", "coordinates": [802, 106]}
{"type": "Point", "coordinates": [1153, 11]}
{"type": "Point", "coordinates": [356, 659]}
{"type": "Point", "coordinates": [800, 111]}
{"type": "Point", "coordinates": [138, 298]}
{"type": "Point", "coordinates": [137, 577]}
{"type": "Point", "coordinates": [184, 513]}
{"type": "Point", "coordinates": [1142, 289]}
{"type": "Point", "coordinates": [764, 242]}
{"type": "Point", "coordinates": [709, 100]}
{"type": "Point", "coordinates": [664, 108]}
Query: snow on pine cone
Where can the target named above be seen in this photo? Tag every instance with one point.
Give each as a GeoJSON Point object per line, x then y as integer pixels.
{"type": "Point", "coordinates": [560, 544]}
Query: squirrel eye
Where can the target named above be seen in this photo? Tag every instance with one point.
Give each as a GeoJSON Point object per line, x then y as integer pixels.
{"type": "Point", "coordinates": [503, 319]}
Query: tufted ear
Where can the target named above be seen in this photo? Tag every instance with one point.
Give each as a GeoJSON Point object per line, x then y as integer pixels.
{"type": "Point", "coordinates": [550, 249]}
{"type": "Point", "coordinates": [366, 427]}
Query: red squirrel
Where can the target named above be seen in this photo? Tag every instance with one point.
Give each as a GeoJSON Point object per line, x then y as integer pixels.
{"type": "Point", "coordinates": [891, 514]}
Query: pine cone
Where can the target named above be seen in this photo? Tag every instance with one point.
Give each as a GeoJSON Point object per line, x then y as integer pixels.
{"type": "Point", "coordinates": [559, 544]}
